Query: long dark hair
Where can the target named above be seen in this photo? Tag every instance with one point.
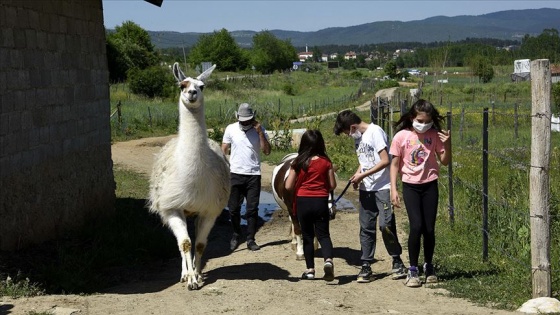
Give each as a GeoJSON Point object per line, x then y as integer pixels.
{"type": "Point", "coordinates": [421, 105]}
{"type": "Point", "coordinates": [312, 144]}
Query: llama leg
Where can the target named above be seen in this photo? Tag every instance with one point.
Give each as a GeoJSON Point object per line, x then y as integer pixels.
{"type": "Point", "coordinates": [178, 225]}
{"type": "Point", "coordinates": [204, 225]}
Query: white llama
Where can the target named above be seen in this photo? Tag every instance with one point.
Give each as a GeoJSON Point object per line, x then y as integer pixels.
{"type": "Point", "coordinates": [190, 177]}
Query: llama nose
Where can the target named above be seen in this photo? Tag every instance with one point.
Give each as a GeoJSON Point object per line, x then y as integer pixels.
{"type": "Point", "coordinates": [192, 93]}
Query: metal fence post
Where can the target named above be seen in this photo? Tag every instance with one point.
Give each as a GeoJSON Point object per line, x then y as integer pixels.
{"type": "Point", "coordinates": [485, 185]}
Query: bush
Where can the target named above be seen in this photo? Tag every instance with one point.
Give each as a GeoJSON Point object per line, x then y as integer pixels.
{"type": "Point", "coordinates": [556, 97]}
{"type": "Point", "coordinates": [152, 82]}
{"type": "Point", "coordinates": [288, 88]}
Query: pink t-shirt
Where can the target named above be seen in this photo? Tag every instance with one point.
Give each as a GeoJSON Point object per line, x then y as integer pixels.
{"type": "Point", "coordinates": [418, 163]}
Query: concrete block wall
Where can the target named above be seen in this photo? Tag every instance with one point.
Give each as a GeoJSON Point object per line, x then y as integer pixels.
{"type": "Point", "coordinates": [55, 145]}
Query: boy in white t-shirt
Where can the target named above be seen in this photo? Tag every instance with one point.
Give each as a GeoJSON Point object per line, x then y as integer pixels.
{"type": "Point", "coordinates": [372, 178]}
{"type": "Point", "coordinates": [245, 138]}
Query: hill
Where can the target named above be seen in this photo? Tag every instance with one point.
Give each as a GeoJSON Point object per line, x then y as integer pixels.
{"type": "Point", "coordinates": [506, 25]}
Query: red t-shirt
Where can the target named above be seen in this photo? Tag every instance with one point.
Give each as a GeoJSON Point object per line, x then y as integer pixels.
{"type": "Point", "coordinates": [314, 182]}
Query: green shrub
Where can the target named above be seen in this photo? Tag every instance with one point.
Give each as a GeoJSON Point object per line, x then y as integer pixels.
{"type": "Point", "coordinates": [19, 287]}
{"type": "Point", "coordinates": [556, 97]}
{"type": "Point", "coordinates": [152, 82]}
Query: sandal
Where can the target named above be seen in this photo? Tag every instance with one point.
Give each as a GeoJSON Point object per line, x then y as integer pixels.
{"type": "Point", "coordinates": [329, 271]}
{"type": "Point", "coordinates": [308, 275]}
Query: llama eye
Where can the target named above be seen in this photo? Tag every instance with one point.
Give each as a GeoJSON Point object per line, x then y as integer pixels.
{"type": "Point", "coordinates": [202, 87]}
{"type": "Point", "coordinates": [184, 85]}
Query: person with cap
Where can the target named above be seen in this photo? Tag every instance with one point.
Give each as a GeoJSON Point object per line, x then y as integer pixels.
{"type": "Point", "coordinates": [244, 140]}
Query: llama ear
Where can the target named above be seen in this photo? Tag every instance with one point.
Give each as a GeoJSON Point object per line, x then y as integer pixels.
{"type": "Point", "coordinates": [204, 75]}
{"type": "Point", "coordinates": [179, 75]}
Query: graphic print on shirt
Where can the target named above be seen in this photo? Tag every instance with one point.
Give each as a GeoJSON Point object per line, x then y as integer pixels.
{"type": "Point", "coordinates": [418, 154]}
{"type": "Point", "coordinates": [366, 152]}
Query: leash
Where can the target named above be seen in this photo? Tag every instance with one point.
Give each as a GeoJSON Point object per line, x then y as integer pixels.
{"type": "Point", "coordinates": [343, 192]}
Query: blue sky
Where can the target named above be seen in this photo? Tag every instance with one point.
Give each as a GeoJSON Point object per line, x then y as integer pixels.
{"type": "Point", "coordinates": [208, 16]}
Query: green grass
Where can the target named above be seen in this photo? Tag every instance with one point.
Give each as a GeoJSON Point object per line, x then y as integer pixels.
{"type": "Point", "coordinates": [459, 246]}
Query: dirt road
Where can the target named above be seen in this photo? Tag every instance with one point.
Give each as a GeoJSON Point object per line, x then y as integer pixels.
{"type": "Point", "coordinates": [262, 282]}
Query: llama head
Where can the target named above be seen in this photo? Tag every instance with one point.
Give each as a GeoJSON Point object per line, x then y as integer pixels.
{"type": "Point", "coordinates": [191, 88]}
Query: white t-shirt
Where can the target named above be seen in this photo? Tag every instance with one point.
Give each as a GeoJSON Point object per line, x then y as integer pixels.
{"type": "Point", "coordinates": [373, 140]}
{"type": "Point", "coordinates": [245, 150]}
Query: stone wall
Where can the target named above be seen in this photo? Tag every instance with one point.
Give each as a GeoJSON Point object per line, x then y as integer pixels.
{"type": "Point", "coordinates": [55, 146]}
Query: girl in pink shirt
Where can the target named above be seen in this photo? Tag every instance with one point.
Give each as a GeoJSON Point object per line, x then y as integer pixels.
{"type": "Point", "coordinates": [415, 150]}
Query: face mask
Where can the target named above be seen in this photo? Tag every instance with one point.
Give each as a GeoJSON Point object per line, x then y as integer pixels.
{"type": "Point", "coordinates": [245, 127]}
{"type": "Point", "coordinates": [356, 135]}
{"type": "Point", "coordinates": [420, 127]}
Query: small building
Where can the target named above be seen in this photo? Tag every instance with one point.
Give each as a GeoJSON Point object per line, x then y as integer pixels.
{"type": "Point", "coordinates": [350, 55]}
{"type": "Point", "coordinates": [302, 56]}
{"type": "Point", "coordinates": [555, 73]}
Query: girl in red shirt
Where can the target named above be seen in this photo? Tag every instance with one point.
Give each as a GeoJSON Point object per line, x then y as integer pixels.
{"type": "Point", "coordinates": [312, 177]}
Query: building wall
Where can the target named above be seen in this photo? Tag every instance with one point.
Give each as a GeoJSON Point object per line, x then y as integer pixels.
{"type": "Point", "coordinates": [55, 150]}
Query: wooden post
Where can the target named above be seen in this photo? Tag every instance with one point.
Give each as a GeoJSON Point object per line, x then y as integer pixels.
{"type": "Point", "coordinates": [539, 186]}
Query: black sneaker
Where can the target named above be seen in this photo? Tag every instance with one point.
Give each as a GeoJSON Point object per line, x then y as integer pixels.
{"type": "Point", "coordinates": [365, 274]}
{"type": "Point", "coordinates": [328, 268]}
{"type": "Point", "coordinates": [234, 242]}
{"type": "Point", "coordinates": [399, 270]}
{"type": "Point", "coordinates": [430, 273]}
{"type": "Point", "coordinates": [252, 245]}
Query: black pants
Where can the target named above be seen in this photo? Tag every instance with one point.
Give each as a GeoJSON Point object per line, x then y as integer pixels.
{"type": "Point", "coordinates": [313, 217]}
{"type": "Point", "coordinates": [245, 187]}
{"type": "Point", "coordinates": [421, 201]}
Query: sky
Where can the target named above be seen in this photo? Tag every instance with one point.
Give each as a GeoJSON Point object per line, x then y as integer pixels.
{"type": "Point", "coordinates": [208, 16]}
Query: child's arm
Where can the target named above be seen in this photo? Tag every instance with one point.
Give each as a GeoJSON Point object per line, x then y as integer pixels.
{"type": "Point", "coordinates": [357, 178]}
{"type": "Point", "coordinates": [394, 171]}
{"type": "Point", "coordinates": [291, 180]}
{"type": "Point", "coordinates": [445, 137]}
{"type": "Point", "coordinates": [332, 179]}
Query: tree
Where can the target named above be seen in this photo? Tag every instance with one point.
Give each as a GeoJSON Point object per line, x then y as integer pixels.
{"type": "Point", "coordinates": [129, 47]}
{"type": "Point", "coordinates": [390, 69]}
{"type": "Point", "coordinates": [219, 48]}
{"type": "Point", "coordinates": [544, 46]}
{"type": "Point", "coordinates": [317, 54]}
{"type": "Point", "coordinates": [270, 54]}
{"type": "Point", "coordinates": [482, 68]}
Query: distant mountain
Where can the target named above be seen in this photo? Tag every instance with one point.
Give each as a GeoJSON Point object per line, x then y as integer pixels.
{"type": "Point", "coordinates": [507, 25]}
